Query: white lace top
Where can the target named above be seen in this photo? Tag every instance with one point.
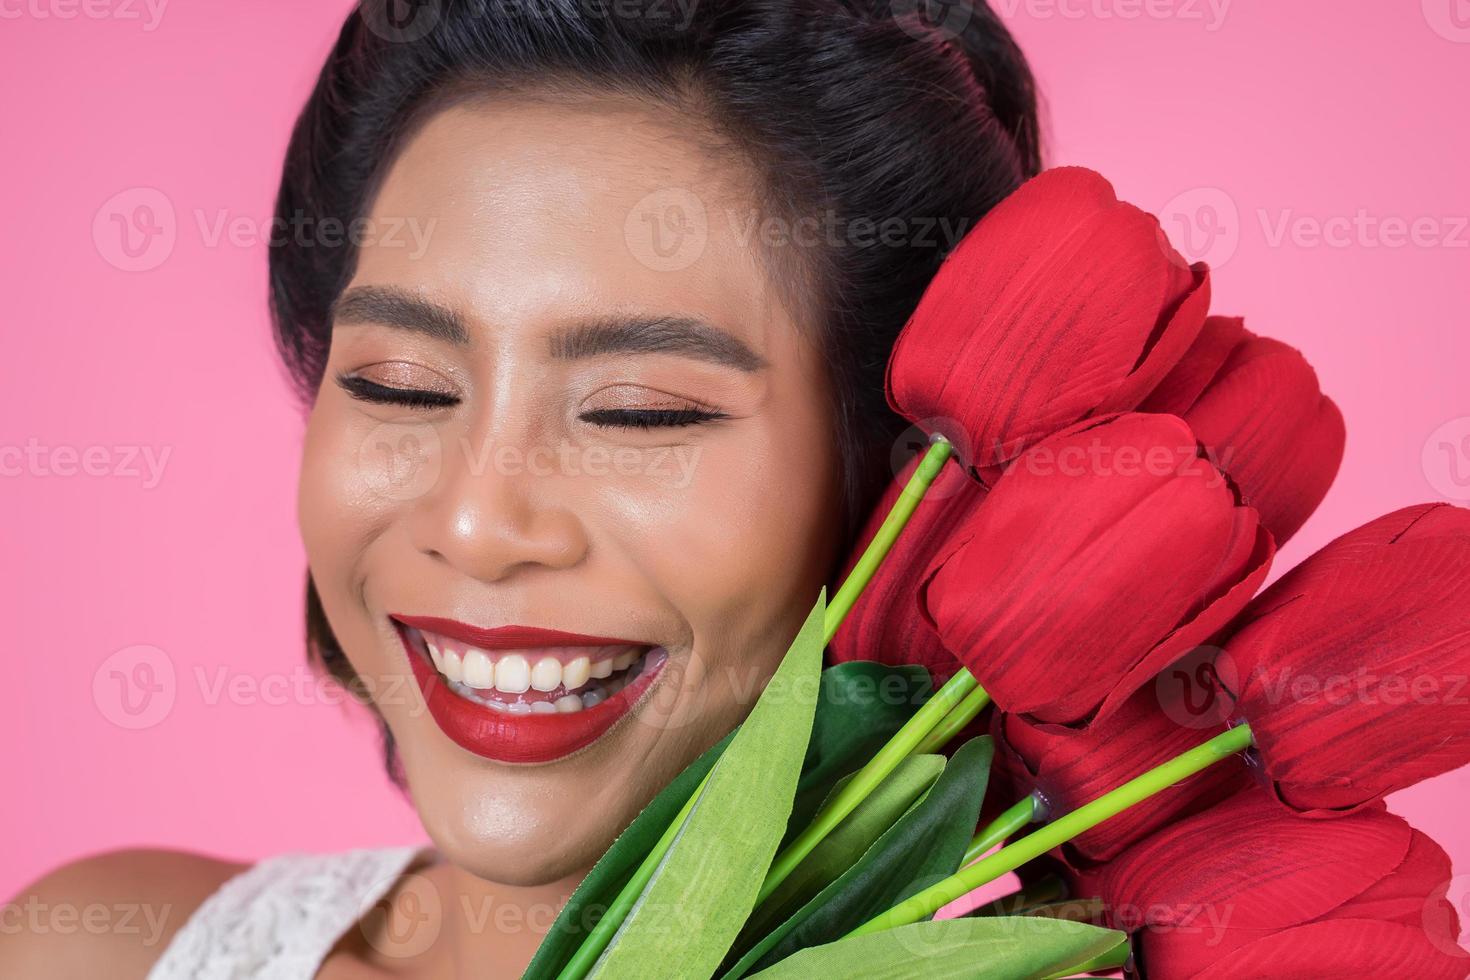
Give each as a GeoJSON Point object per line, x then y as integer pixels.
{"type": "Point", "coordinates": [280, 918]}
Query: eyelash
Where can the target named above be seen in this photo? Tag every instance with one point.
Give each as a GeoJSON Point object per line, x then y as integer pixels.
{"type": "Point", "coordinates": [611, 418]}
{"type": "Point", "coordinates": [370, 391]}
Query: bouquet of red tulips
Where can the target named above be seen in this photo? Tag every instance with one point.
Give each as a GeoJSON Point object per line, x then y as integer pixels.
{"type": "Point", "coordinates": [1049, 657]}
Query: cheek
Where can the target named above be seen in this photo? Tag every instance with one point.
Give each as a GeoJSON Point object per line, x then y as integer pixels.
{"type": "Point", "coordinates": [747, 535]}
{"type": "Point", "coordinates": [354, 479]}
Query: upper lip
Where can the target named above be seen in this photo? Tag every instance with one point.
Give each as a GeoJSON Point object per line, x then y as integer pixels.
{"type": "Point", "coordinates": [510, 636]}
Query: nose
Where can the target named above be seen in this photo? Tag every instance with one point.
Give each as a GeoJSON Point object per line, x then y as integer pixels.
{"type": "Point", "coordinates": [489, 523]}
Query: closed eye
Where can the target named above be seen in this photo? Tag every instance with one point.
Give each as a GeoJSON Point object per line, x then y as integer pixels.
{"type": "Point", "coordinates": [370, 391]}
{"type": "Point", "coordinates": [649, 418]}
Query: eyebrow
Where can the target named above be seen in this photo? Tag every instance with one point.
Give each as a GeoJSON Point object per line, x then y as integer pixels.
{"type": "Point", "coordinates": [610, 334]}
{"type": "Point", "coordinates": [634, 334]}
{"type": "Point", "coordinates": [395, 308]}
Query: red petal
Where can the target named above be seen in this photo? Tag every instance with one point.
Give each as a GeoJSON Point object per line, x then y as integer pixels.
{"type": "Point", "coordinates": [1073, 571]}
{"type": "Point", "coordinates": [1183, 385]}
{"type": "Point", "coordinates": [1269, 868]}
{"type": "Point", "coordinates": [1041, 314]}
{"type": "Point", "coordinates": [1268, 425]}
{"type": "Point", "coordinates": [1351, 665]}
{"type": "Point", "coordinates": [1340, 949]}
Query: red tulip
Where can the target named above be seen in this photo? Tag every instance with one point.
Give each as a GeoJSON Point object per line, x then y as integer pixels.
{"type": "Point", "coordinates": [885, 624]}
{"type": "Point", "coordinates": [1354, 669]}
{"type": "Point", "coordinates": [1246, 889]}
{"type": "Point", "coordinates": [1106, 552]}
{"type": "Point", "coordinates": [1255, 404]}
{"type": "Point", "coordinates": [1061, 304]}
{"type": "Point", "coordinates": [1068, 767]}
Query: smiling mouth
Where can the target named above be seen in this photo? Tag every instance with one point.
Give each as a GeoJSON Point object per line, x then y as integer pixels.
{"type": "Point", "coordinates": [523, 694]}
{"type": "Point", "coordinates": [530, 680]}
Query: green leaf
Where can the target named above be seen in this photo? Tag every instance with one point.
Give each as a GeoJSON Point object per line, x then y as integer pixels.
{"type": "Point", "coordinates": [616, 866]}
{"type": "Point", "coordinates": [860, 706]}
{"type": "Point", "coordinates": [706, 884]}
{"type": "Point", "coordinates": [926, 844]}
{"type": "Point", "coordinates": [955, 949]}
{"type": "Point", "coordinates": [842, 848]}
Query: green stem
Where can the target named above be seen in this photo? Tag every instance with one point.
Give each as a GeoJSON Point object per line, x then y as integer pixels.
{"type": "Point", "coordinates": [1054, 834]}
{"type": "Point", "coordinates": [1000, 828]}
{"type": "Point", "coordinates": [862, 573]}
{"type": "Point", "coordinates": [900, 747]}
{"type": "Point", "coordinates": [586, 956]}
{"type": "Point", "coordinates": [954, 722]}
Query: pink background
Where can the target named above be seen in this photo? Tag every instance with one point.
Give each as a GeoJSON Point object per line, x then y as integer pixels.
{"type": "Point", "coordinates": [1227, 126]}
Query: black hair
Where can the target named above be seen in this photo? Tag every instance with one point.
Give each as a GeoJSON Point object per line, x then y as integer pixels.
{"type": "Point", "coordinates": [922, 112]}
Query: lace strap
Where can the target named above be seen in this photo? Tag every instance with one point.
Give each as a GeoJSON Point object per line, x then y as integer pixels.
{"type": "Point", "coordinates": [280, 918]}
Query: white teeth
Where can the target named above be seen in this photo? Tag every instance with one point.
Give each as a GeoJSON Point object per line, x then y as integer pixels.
{"type": "Point", "coordinates": [546, 675]}
{"type": "Point", "coordinates": [594, 696]}
{"type": "Point", "coordinates": [519, 707]}
{"type": "Point", "coordinates": [543, 708]}
{"type": "Point", "coordinates": [624, 660]}
{"type": "Point", "coordinates": [436, 657]}
{"type": "Point", "coordinates": [513, 674]}
{"type": "Point", "coordinates": [568, 703]}
{"type": "Point", "coordinates": [601, 668]}
{"type": "Point", "coordinates": [451, 666]}
{"type": "Point", "coordinates": [576, 673]}
{"type": "Point", "coordinates": [478, 670]}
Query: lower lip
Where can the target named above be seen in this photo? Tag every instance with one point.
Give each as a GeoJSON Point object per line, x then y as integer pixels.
{"type": "Point", "coordinates": [521, 738]}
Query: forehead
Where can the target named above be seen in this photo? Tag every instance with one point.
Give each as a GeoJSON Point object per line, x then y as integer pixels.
{"type": "Point", "coordinates": [525, 209]}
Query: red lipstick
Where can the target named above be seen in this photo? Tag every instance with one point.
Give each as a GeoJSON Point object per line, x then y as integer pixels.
{"type": "Point", "coordinates": [505, 735]}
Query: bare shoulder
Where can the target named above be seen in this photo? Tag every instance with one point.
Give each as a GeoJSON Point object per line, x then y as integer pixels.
{"type": "Point", "coordinates": [109, 914]}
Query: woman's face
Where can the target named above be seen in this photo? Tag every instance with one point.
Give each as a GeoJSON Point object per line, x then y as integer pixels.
{"type": "Point", "coordinates": [605, 493]}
